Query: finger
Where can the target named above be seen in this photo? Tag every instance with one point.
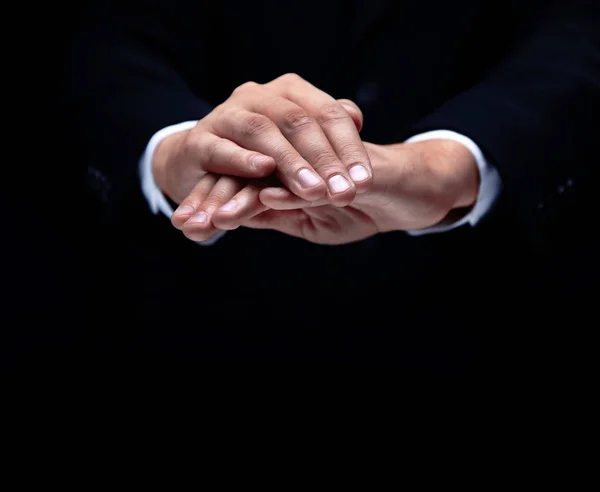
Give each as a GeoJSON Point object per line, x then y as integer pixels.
{"type": "Point", "coordinates": [222, 156]}
{"type": "Point", "coordinates": [199, 226]}
{"type": "Point", "coordinates": [339, 127]}
{"type": "Point", "coordinates": [308, 138]}
{"type": "Point", "coordinates": [258, 132]}
{"type": "Point", "coordinates": [337, 124]}
{"type": "Point", "coordinates": [282, 199]}
{"type": "Point", "coordinates": [354, 111]}
{"type": "Point", "coordinates": [243, 206]}
{"type": "Point", "coordinates": [190, 204]}
{"type": "Point", "coordinates": [291, 222]}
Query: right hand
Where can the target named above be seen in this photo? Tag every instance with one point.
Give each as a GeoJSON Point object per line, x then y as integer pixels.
{"type": "Point", "coordinates": [287, 125]}
{"type": "Point", "coordinates": [416, 185]}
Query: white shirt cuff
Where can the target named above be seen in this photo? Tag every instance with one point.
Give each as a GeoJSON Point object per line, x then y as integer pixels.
{"type": "Point", "coordinates": [490, 183]}
{"type": "Point", "coordinates": [153, 194]}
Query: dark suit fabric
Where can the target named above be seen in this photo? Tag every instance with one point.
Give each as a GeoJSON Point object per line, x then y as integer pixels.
{"type": "Point", "coordinates": [522, 79]}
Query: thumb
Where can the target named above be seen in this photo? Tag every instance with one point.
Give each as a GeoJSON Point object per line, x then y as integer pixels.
{"type": "Point", "coordinates": [354, 111]}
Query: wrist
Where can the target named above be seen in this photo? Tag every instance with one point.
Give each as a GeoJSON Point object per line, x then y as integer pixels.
{"type": "Point", "coordinates": [456, 170]}
{"type": "Point", "coordinates": [164, 156]}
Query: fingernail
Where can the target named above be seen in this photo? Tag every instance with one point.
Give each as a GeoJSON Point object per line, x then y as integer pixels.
{"type": "Point", "coordinates": [199, 218]}
{"type": "Point", "coordinates": [338, 184]}
{"type": "Point", "coordinates": [259, 160]}
{"type": "Point", "coordinates": [308, 178]}
{"type": "Point", "coordinates": [185, 210]}
{"type": "Point", "coordinates": [229, 206]}
{"type": "Point", "coordinates": [359, 173]}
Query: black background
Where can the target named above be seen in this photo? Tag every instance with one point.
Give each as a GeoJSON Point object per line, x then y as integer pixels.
{"type": "Point", "coordinates": [57, 251]}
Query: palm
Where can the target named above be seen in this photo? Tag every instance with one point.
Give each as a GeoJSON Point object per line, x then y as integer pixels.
{"type": "Point", "coordinates": [327, 224]}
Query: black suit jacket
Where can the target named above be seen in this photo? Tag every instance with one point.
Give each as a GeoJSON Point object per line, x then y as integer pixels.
{"type": "Point", "coordinates": [521, 78]}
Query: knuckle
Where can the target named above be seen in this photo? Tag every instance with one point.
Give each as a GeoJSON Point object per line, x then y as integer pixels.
{"type": "Point", "coordinates": [244, 87]}
{"type": "Point", "coordinates": [296, 119]}
{"type": "Point", "coordinates": [218, 115]}
{"type": "Point", "coordinates": [352, 152]}
{"type": "Point", "coordinates": [192, 146]}
{"type": "Point", "coordinates": [328, 164]}
{"type": "Point", "coordinates": [255, 124]}
{"type": "Point", "coordinates": [220, 109]}
{"type": "Point", "coordinates": [332, 112]}
{"type": "Point", "coordinates": [239, 156]}
{"type": "Point", "coordinates": [228, 115]}
{"type": "Point", "coordinates": [349, 102]}
{"type": "Point", "coordinates": [287, 157]}
{"type": "Point", "coordinates": [291, 77]}
{"type": "Point", "coordinates": [212, 149]}
{"type": "Point", "coordinates": [196, 235]}
{"type": "Point", "coordinates": [177, 222]}
{"type": "Point", "coordinates": [217, 197]}
{"type": "Point", "coordinates": [221, 221]}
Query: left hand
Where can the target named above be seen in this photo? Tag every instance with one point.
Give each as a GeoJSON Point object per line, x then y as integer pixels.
{"type": "Point", "coordinates": [415, 186]}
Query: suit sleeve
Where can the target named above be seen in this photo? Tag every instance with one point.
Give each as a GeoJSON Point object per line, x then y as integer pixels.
{"type": "Point", "coordinates": [129, 67]}
{"type": "Point", "coordinates": [536, 116]}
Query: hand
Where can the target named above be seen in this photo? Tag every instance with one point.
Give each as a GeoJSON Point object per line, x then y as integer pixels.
{"type": "Point", "coordinates": [309, 138]}
{"type": "Point", "coordinates": [415, 186]}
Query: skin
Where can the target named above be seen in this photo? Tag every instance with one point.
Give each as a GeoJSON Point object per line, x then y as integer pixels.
{"type": "Point", "coordinates": [246, 163]}
{"type": "Point", "coordinates": [287, 128]}
{"type": "Point", "coordinates": [415, 186]}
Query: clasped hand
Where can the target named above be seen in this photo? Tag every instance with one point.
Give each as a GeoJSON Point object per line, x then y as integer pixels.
{"type": "Point", "coordinates": [287, 156]}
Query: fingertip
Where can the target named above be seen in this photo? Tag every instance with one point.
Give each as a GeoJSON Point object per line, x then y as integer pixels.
{"type": "Point", "coordinates": [363, 186]}
{"type": "Point", "coordinates": [312, 194]}
{"type": "Point", "coordinates": [263, 165]}
{"type": "Point", "coordinates": [181, 215]}
{"type": "Point", "coordinates": [362, 177]}
{"type": "Point", "coordinates": [224, 221]}
{"type": "Point", "coordinates": [277, 198]}
{"type": "Point", "coordinates": [198, 227]}
{"type": "Point", "coordinates": [274, 193]}
{"type": "Point", "coordinates": [195, 235]}
{"type": "Point", "coordinates": [225, 217]}
{"type": "Point", "coordinates": [354, 111]}
{"type": "Point", "coordinates": [307, 184]}
{"type": "Point", "coordinates": [342, 199]}
{"type": "Point", "coordinates": [281, 199]}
